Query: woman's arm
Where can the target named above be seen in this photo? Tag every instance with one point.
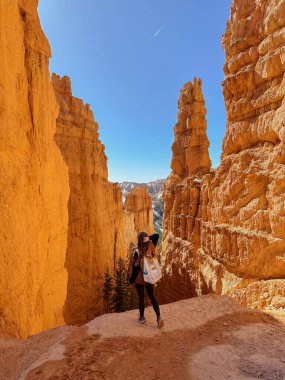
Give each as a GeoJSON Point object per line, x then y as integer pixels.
{"type": "Point", "coordinates": [134, 267]}
{"type": "Point", "coordinates": [154, 238]}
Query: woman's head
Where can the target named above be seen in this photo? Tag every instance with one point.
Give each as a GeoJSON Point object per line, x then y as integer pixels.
{"type": "Point", "coordinates": [145, 244]}
{"type": "Point", "coordinates": [143, 240]}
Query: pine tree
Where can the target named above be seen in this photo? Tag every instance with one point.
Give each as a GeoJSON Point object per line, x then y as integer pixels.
{"type": "Point", "coordinates": [133, 299]}
{"type": "Point", "coordinates": [107, 290]}
{"type": "Point", "coordinates": [121, 287]}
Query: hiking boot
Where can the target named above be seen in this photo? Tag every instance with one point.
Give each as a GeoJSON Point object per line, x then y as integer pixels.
{"type": "Point", "coordinates": [160, 322]}
{"type": "Point", "coordinates": [142, 319]}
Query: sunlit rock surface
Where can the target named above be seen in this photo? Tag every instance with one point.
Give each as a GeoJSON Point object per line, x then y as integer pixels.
{"type": "Point", "coordinates": [34, 187]}
{"type": "Point", "coordinates": [99, 230]}
{"type": "Point", "coordinates": [139, 202]}
{"type": "Point", "coordinates": [62, 223]}
{"type": "Point", "coordinates": [236, 240]}
{"type": "Point", "coordinates": [209, 337]}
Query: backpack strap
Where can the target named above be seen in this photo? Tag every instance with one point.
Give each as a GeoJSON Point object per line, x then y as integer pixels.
{"type": "Point", "coordinates": [136, 251]}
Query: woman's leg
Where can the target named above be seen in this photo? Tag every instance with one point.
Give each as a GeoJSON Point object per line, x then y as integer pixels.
{"type": "Point", "coordinates": [150, 293]}
{"type": "Point", "coordinates": [140, 291]}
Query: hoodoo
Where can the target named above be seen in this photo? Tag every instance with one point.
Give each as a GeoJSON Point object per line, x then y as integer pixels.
{"type": "Point", "coordinates": [190, 148]}
{"type": "Point", "coordinates": [181, 228]}
{"type": "Point", "coordinates": [238, 244]}
{"type": "Point", "coordinates": [139, 203]}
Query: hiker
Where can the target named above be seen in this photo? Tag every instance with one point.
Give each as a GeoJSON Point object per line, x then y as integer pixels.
{"type": "Point", "coordinates": [146, 247]}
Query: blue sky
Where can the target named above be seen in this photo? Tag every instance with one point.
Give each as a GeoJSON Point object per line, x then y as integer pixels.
{"type": "Point", "coordinates": [131, 75]}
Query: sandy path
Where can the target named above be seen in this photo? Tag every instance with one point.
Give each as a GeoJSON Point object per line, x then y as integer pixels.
{"type": "Point", "coordinates": [204, 338]}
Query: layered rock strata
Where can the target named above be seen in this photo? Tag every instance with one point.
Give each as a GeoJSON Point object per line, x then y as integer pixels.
{"type": "Point", "coordinates": [238, 246]}
{"type": "Point", "coordinates": [190, 161]}
{"type": "Point", "coordinates": [34, 186]}
{"type": "Point", "coordinates": [62, 223]}
{"type": "Point", "coordinates": [99, 230]}
{"type": "Point", "coordinates": [190, 147]}
{"type": "Point", "coordinates": [139, 204]}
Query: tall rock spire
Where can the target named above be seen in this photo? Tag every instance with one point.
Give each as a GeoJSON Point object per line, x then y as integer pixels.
{"type": "Point", "coordinates": [228, 236]}
{"type": "Point", "coordinates": [190, 147]}
{"type": "Point", "coordinates": [138, 202]}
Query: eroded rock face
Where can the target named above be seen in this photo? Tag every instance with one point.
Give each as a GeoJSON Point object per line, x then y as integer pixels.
{"type": "Point", "coordinates": [238, 246]}
{"type": "Point", "coordinates": [181, 237]}
{"type": "Point", "coordinates": [99, 230]}
{"type": "Point", "coordinates": [139, 204]}
{"type": "Point", "coordinates": [34, 186]}
{"type": "Point", "coordinates": [62, 223]}
{"type": "Point", "coordinates": [190, 147]}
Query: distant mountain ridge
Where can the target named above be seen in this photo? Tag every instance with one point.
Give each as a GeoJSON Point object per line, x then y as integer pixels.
{"type": "Point", "coordinates": [155, 189]}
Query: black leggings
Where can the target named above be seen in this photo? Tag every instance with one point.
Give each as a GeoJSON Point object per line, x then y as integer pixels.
{"type": "Point", "coordinates": [150, 293]}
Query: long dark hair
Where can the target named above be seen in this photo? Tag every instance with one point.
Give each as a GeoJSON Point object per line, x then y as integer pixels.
{"type": "Point", "coordinates": [143, 247]}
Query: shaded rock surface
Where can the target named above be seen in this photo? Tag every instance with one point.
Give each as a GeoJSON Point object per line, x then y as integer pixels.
{"type": "Point", "coordinates": [224, 231]}
{"type": "Point", "coordinates": [34, 187]}
{"type": "Point", "coordinates": [207, 337]}
{"type": "Point", "coordinates": [98, 230]}
{"type": "Point", "coordinates": [62, 223]}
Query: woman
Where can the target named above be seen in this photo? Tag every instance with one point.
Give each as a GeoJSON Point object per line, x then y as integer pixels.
{"type": "Point", "coordinates": [146, 247]}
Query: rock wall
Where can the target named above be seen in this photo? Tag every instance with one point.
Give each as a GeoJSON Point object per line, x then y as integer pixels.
{"type": "Point", "coordinates": [34, 186]}
{"type": "Point", "coordinates": [62, 223]}
{"type": "Point", "coordinates": [238, 246]}
{"type": "Point", "coordinates": [190, 162]}
{"type": "Point", "coordinates": [99, 230]}
{"type": "Point", "coordinates": [139, 203]}
{"type": "Point", "coordinates": [190, 147]}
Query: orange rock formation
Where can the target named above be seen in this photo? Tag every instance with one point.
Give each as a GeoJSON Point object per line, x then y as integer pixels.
{"type": "Point", "coordinates": [139, 204]}
{"type": "Point", "coordinates": [236, 240]}
{"type": "Point", "coordinates": [62, 223]}
{"type": "Point", "coordinates": [190, 147]}
{"type": "Point", "coordinates": [96, 227]}
{"type": "Point", "coordinates": [34, 179]}
{"type": "Point", "coordinates": [182, 195]}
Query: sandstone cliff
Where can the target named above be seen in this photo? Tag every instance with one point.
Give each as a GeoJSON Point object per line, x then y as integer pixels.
{"type": "Point", "coordinates": [190, 161]}
{"type": "Point", "coordinates": [99, 230]}
{"type": "Point", "coordinates": [33, 179]}
{"type": "Point", "coordinates": [155, 189]}
{"type": "Point", "coordinates": [139, 203]}
{"type": "Point", "coordinates": [62, 223]}
{"type": "Point", "coordinates": [238, 241]}
{"type": "Point", "coordinates": [244, 225]}
{"type": "Point", "coordinates": [190, 147]}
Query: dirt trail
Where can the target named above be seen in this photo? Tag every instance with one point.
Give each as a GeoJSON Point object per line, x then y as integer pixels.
{"type": "Point", "coordinates": [209, 337]}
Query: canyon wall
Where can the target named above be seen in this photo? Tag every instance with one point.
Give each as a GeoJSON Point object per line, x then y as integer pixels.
{"type": "Point", "coordinates": [34, 186]}
{"type": "Point", "coordinates": [62, 223]}
{"type": "Point", "coordinates": [237, 243]}
{"type": "Point", "coordinates": [95, 222]}
{"type": "Point", "coordinates": [99, 230]}
{"type": "Point", "coordinates": [139, 204]}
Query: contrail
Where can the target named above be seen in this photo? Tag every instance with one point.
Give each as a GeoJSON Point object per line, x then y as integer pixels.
{"type": "Point", "coordinates": [159, 30]}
